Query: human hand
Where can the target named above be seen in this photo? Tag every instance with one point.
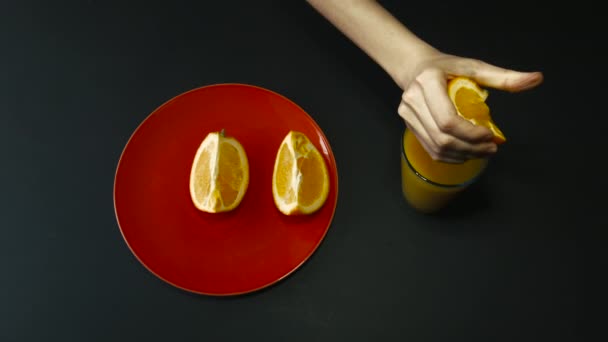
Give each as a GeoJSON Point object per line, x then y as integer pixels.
{"type": "Point", "coordinates": [430, 114]}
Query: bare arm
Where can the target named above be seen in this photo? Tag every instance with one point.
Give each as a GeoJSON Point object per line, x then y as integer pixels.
{"type": "Point", "coordinates": [375, 31]}
{"type": "Point", "coordinates": [422, 71]}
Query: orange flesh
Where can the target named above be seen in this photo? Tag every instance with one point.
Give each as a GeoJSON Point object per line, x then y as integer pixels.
{"type": "Point", "coordinates": [203, 182]}
{"type": "Point", "coordinates": [284, 175]}
{"type": "Point", "coordinates": [230, 173]}
{"type": "Point", "coordinates": [312, 179]}
{"type": "Point", "coordinates": [473, 108]}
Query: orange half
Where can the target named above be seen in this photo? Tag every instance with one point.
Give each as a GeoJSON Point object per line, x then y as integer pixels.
{"type": "Point", "coordinates": [300, 180]}
{"type": "Point", "coordinates": [220, 174]}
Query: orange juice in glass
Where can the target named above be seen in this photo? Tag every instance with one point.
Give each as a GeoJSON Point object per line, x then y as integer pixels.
{"type": "Point", "coordinates": [429, 185]}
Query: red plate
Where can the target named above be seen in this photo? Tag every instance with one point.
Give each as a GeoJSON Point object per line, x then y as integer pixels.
{"type": "Point", "coordinates": [231, 253]}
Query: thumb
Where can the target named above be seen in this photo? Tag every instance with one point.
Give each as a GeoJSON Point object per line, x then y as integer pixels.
{"type": "Point", "coordinates": [497, 77]}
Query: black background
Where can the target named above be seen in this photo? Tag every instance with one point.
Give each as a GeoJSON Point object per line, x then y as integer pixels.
{"type": "Point", "coordinates": [500, 264]}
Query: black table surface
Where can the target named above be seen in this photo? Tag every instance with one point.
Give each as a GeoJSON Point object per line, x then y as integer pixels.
{"type": "Point", "coordinates": [500, 264]}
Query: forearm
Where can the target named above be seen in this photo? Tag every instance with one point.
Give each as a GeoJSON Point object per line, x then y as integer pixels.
{"type": "Point", "coordinates": [375, 31]}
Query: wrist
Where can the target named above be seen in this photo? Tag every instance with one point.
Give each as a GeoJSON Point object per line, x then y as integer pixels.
{"type": "Point", "coordinates": [413, 63]}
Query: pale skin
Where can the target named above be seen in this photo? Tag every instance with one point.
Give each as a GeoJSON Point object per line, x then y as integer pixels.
{"type": "Point", "coordinates": [422, 72]}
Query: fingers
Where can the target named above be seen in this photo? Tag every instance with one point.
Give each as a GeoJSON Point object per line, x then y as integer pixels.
{"type": "Point", "coordinates": [425, 140]}
{"type": "Point", "coordinates": [494, 76]}
{"type": "Point", "coordinates": [437, 138]}
{"type": "Point", "coordinates": [434, 85]}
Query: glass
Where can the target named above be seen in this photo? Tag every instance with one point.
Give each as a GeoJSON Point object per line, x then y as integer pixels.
{"type": "Point", "coordinates": [429, 185]}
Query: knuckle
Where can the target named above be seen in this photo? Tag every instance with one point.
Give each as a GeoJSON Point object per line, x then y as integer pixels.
{"type": "Point", "coordinates": [437, 157]}
{"type": "Point", "coordinates": [435, 150]}
{"type": "Point", "coordinates": [411, 94]}
{"type": "Point", "coordinates": [422, 77]}
{"type": "Point", "coordinates": [402, 110]}
{"type": "Point", "coordinates": [445, 142]}
{"type": "Point", "coordinates": [402, 107]}
{"type": "Point", "coordinates": [472, 65]}
{"type": "Point", "coordinates": [447, 124]}
{"type": "Point", "coordinates": [415, 86]}
{"type": "Point", "coordinates": [433, 154]}
{"type": "Point", "coordinates": [427, 74]}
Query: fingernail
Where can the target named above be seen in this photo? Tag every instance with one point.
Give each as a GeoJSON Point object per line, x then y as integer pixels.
{"type": "Point", "coordinates": [532, 80]}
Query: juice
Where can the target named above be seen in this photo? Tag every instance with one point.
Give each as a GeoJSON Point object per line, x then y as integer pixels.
{"type": "Point", "coordinates": [428, 185]}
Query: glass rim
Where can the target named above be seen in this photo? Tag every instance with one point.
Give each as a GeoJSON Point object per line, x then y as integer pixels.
{"type": "Point", "coordinates": [426, 180]}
